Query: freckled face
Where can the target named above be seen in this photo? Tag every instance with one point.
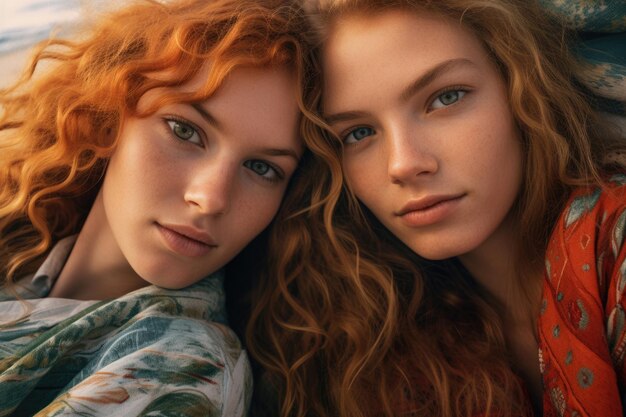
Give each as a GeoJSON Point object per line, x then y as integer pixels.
{"type": "Point", "coordinates": [191, 185]}
{"type": "Point", "coordinates": [431, 147]}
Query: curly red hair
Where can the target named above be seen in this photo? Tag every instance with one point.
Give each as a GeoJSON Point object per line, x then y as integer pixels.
{"type": "Point", "coordinates": [351, 323]}
{"type": "Point", "coordinates": [59, 124]}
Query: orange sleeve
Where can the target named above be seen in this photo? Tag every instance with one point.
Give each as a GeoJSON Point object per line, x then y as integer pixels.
{"type": "Point", "coordinates": [581, 325]}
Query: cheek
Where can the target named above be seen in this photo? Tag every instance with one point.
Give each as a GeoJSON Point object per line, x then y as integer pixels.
{"type": "Point", "coordinates": [257, 209]}
{"type": "Point", "coordinates": [494, 143]}
{"type": "Point", "coordinates": [138, 178]}
{"type": "Point", "coordinates": [364, 174]}
{"type": "Point", "coordinates": [497, 165]}
{"type": "Point", "coordinates": [148, 166]}
{"type": "Point", "coordinates": [506, 150]}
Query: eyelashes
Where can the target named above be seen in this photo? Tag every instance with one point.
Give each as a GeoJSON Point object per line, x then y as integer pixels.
{"type": "Point", "coordinates": [264, 169]}
{"type": "Point", "coordinates": [185, 131]}
{"type": "Point", "coordinates": [358, 134]}
{"type": "Point", "coordinates": [447, 97]}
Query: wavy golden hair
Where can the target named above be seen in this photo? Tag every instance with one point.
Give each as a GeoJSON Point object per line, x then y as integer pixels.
{"type": "Point", "coordinates": [352, 323]}
{"type": "Point", "coordinates": [59, 123]}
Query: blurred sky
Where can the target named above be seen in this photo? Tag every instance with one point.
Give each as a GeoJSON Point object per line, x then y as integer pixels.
{"type": "Point", "coordinates": [24, 22]}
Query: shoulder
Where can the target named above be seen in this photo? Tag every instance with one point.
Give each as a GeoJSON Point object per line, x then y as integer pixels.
{"type": "Point", "coordinates": [586, 243]}
{"type": "Point", "coordinates": [594, 214]}
{"type": "Point", "coordinates": [161, 363]}
{"type": "Point", "coordinates": [588, 240]}
{"type": "Point", "coordinates": [194, 353]}
{"type": "Point", "coordinates": [581, 322]}
{"type": "Point", "coordinates": [185, 334]}
{"type": "Point", "coordinates": [599, 206]}
{"type": "Point", "coordinates": [154, 337]}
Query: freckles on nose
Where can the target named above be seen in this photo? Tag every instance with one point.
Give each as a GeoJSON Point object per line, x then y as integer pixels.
{"type": "Point", "coordinates": [210, 189]}
{"type": "Point", "coordinates": [407, 159]}
{"type": "Point", "coordinates": [398, 157]}
{"type": "Point", "coordinates": [209, 200]}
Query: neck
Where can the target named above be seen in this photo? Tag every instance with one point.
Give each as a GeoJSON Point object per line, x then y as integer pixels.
{"type": "Point", "coordinates": [492, 264]}
{"type": "Point", "coordinates": [495, 266]}
{"type": "Point", "coordinates": [96, 268]}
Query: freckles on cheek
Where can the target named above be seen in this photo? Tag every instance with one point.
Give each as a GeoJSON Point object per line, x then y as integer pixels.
{"type": "Point", "coordinates": [151, 160]}
{"type": "Point", "coordinates": [480, 146]}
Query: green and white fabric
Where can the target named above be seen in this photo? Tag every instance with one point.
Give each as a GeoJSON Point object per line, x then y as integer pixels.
{"type": "Point", "coordinates": [152, 352]}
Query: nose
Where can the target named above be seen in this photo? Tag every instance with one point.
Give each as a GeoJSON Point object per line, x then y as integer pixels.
{"type": "Point", "coordinates": [210, 189]}
{"type": "Point", "coordinates": [409, 155]}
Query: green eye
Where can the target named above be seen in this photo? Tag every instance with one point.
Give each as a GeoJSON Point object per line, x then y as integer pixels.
{"type": "Point", "coordinates": [184, 131]}
{"type": "Point", "coordinates": [448, 98]}
{"type": "Point", "coordinates": [263, 169]}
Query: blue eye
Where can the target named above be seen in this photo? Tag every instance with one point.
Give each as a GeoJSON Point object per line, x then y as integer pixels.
{"type": "Point", "coordinates": [263, 169]}
{"type": "Point", "coordinates": [184, 131]}
{"type": "Point", "coordinates": [358, 134]}
{"type": "Point", "coordinates": [447, 98]}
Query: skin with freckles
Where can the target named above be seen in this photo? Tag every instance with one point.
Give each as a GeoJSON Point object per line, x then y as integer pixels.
{"type": "Point", "coordinates": [460, 135]}
{"type": "Point", "coordinates": [141, 175]}
{"type": "Point", "coordinates": [188, 187]}
{"type": "Point", "coordinates": [431, 147]}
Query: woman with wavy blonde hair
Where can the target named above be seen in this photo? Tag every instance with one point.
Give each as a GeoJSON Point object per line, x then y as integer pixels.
{"type": "Point", "coordinates": [474, 263]}
{"type": "Point", "coordinates": [135, 163]}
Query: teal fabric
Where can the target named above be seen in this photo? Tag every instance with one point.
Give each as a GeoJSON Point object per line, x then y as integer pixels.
{"type": "Point", "coordinates": [601, 26]}
{"type": "Point", "coordinates": [152, 352]}
{"type": "Point", "coordinates": [602, 16]}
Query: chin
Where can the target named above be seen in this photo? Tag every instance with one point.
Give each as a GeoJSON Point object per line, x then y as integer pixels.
{"type": "Point", "coordinates": [171, 284]}
{"type": "Point", "coordinates": [166, 275]}
{"type": "Point", "coordinates": [437, 252]}
{"type": "Point", "coordinates": [431, 256]}
{"type": "Point", "coordinates": [171, 275]}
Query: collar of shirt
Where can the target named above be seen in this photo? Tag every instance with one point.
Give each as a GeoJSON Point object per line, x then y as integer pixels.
{"type": "Point", "coordinates": [39, 284]}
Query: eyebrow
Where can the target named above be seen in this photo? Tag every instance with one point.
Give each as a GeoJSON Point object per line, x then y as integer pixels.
{"type": "Point", "coordinates": [432, 74]}
{"type": "Point", "coordinates": [281, 152]}
{"type": "Point", "coordinates": [208, 117]}
{"type": "Point", "coordinates": [408, 92]}
{"type": "Point", "coordinates": [344, 116]}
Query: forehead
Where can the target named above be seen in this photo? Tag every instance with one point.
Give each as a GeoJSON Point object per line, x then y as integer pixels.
{"type": "Point", "coordinates": [265, 98]}
{"type": "Point", "coordinates": [388, 48]}
{"type": "Point", "coordinates": [210, 80]}
{"type": "Point", "coordinates": [256, 103]}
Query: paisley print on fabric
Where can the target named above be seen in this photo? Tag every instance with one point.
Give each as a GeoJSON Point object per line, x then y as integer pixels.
{"type": "Point", "coordinates": [582, 333]}
{"type": "Point", "coordinates": [152, 352]}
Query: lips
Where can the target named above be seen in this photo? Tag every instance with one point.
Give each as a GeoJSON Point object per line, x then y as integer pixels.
{"type": "Point", "coordinates": [186, 241]}
{"type": "Point", "coordinates": [428, 210]}
{"type": "Point", "coordinates": [427, 202]}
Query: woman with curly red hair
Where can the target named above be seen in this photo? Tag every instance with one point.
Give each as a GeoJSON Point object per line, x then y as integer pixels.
{"type": "Point", "coordinates": [135, 163]}
{"type": "Point", "coordinates": [474, 264]}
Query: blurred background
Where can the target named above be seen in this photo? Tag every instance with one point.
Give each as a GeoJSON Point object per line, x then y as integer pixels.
{"type": "Point", "coordinates": [23, 23]}
{"type": "Point", "coordinates": [600, 25]}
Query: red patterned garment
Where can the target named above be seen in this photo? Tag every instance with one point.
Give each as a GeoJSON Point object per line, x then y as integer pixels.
{"type": "Point", "coordinates": [582, 333]}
